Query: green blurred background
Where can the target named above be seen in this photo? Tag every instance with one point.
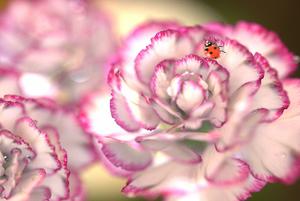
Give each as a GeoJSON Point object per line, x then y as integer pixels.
{"type": "Point", "coordinates": [280, 16]}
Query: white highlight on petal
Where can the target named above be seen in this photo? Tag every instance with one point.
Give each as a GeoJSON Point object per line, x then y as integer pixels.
{"type": "Point", "coordinates": [35, 85]}
{"type": "Point", "coordinates": [160, 158]}
{"type": "Point", "coordinates": [100, 117]}
{"type": "Point", "coordinates": [241, 106]}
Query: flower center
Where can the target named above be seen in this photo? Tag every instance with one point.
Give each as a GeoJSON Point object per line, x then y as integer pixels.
{"type": "Point", "coordinates": [187, 92]}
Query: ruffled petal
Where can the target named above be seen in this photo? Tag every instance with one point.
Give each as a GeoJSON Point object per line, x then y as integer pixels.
{"type": "Point", "coordinates": [9, 113]}
{"type": "Point", "coordinates": [126, 156]}
{"type": "Point", "coordinates": [270, 94]}
{"type": "Point", "coordinates": [193, 64]}
{"type": "Point", "coordinates": [30, 180]}
{"type": "Point", "coordinates": [167, 178]}
{"type": "Point", "coordinates": [222, 170]}
{"type": "Point", "coordinates": [136, 104]}
{"type": "Point", "coordinates": [140, 37]}
{"type": "Point", "coordinates": [58, 183]}
{"type": "Point", "coordinates": [169, 44]}
{"type": "Point", "coordinates": [160, 80]}
{"type": "Point", "coordinates": [122, 114]}
{"type": "Point", "coordinates": [46, 157]}
{"type": "Point", "coordinates": [112, 169]}
{"type": "Point", "coordinates": [240, 64]}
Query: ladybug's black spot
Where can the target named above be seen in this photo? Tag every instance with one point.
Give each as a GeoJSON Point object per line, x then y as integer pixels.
{"type": "Point", "coordinates": [210, 52]}
{"type": "Point", "coordinates": [215, 48]}
{"type": "Point", "coordinates": [206, 49]}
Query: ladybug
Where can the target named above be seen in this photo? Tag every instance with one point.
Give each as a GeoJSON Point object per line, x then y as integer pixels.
{"type": "Point", "coordinates": [212, 50]}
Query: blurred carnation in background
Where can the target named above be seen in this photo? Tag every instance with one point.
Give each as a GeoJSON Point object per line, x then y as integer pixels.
{"type": "Point", "coordinates": [59, 48]}
{"type": "Point", "coordinates": [108, 22]}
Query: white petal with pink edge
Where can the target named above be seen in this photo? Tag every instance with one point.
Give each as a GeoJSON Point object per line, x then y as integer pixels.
{"type": "Point", "coordinates": [270, 94]}
{"type": "Point", "coordinates": [164, 45]}
{"type": "Point", "coordinates": [128, 156]}
{"type": "Point", "coordinates": [122, 114]}
{"type": "Point", "coordinates": [165, 178]}
{"type": "Point", "coordinates": [27, 130]}
{"type": "Point", "coordinates": [240, 64]}
{"type": "Point", "coordinates": [140, 37]}
{"type": "Point", "coordinates": [58, 183]}
{"type": "Point", "coordinates": [9, 113]}
{"type": "Point", "coordinates": [219, 169]}
{"type": "Point", "coordinates": [161, 78]}
{"type": "Point", "coordinates": [30, 180]}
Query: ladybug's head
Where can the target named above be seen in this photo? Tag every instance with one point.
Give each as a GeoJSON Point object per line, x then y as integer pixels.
{"type": "Point", "coordinates": [208, 44]}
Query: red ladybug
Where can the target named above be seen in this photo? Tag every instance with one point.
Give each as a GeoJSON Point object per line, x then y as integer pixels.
{"type": "Point", "coordinates": [212, 50]}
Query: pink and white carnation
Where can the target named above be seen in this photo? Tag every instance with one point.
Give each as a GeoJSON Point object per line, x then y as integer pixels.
{"type": "Point", "coordinates": [220, 127]}
{"type": "Point", "coordinates": [77, 143]}
{"type": "Point", "coordinates": [61, 47]}
{"type": "Point", "coordinates": [33, 164]}
{"type": "Point", "coordinates": [59, 123]}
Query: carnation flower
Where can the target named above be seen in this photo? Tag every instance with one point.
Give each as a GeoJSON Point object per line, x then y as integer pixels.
{"type": "Point", "coordinates": [60, 124]}
{"type": "Point", "coordinates": [219, 106]}
{"type": "Point", "coordinates": [60, 47]}
{"type": "Point", "coordinates": [33, 164]}
{"type": "Point", "coordinates": [77, 144]}
{"type": "Point", "coordinates": [158, 83]}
